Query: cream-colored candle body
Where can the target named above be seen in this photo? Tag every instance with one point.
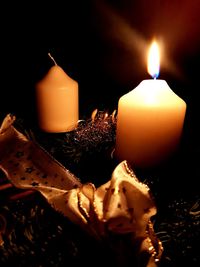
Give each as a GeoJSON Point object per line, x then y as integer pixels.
{"type": "Point", "coordinates": [149, 124]}
{"type": "Point", "coordinates": [57, 101]}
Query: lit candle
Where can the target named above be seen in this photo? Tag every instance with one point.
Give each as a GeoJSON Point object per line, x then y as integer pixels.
{"type": "Point", "coordinates": [150, 120]}
{"type": "Point", "coordinates": [57, 101]}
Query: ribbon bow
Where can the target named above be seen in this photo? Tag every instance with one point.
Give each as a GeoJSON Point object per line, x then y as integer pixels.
{"type": "Point", "coordinates": [121, 206]}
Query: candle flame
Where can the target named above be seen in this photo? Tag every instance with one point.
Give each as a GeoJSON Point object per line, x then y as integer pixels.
{"type": "Point", "coordinates": [154, 60]}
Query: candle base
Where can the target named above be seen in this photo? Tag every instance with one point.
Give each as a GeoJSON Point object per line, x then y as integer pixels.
{"type": "Point", "coordinates": [149, 159]}
{"type": "Point", "coordinates": [58, 130]}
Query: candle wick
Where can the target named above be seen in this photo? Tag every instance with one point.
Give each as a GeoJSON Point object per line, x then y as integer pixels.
{"type": "Point", "coordinates": [49, 54]}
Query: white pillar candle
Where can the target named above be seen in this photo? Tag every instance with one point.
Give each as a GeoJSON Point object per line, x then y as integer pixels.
{"type": "Point", "coordinates": [149, 123]}
{"type": "Point", "coordinates": [57, 101]}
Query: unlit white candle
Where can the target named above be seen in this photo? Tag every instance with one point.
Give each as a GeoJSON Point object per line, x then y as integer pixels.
{"type": "Point", "coordinates": [57, 101]}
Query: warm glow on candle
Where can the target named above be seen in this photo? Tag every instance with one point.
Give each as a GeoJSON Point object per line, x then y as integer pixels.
{"type": "Point", "coordinates": [57, 101]}
{"type": "Point", "coordinates": [153, 65]}
{"type": "Point", "coordinates": [150, 119]}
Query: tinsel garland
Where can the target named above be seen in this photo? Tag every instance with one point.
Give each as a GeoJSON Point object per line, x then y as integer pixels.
{"type": "Point", "coordinates": [34, 235]}
{"type": "Point", "coordinates": [86, 151]}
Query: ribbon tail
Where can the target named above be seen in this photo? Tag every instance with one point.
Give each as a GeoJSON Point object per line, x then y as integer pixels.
{"type": "Point", "coordinates": [27, 165]}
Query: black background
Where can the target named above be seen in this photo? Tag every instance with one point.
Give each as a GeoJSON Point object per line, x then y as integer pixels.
{"type": "Point", "coordinates": [101, 44]}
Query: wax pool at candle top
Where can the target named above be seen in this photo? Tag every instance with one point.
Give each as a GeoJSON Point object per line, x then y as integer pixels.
{"type": "Point", "coordinates": [149, 123]}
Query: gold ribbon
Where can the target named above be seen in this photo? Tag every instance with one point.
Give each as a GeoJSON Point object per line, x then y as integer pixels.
{"type": "Point", "coordinates": [121, 206]}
